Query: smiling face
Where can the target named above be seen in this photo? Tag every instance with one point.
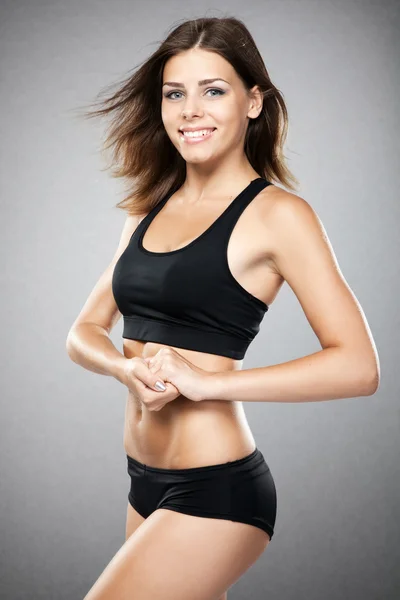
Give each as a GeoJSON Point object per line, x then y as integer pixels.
{"type": "Point", "coordinates": [191, 100]}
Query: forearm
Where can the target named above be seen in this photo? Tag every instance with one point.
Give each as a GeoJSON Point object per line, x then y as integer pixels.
{"type": "Point", "coordinates": [89, 345]}
{"type": "Point", "coordinates": [328, 374]}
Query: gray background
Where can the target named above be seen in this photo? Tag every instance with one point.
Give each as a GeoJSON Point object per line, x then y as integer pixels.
{"type": "Point", "coordinates": [63, 473]}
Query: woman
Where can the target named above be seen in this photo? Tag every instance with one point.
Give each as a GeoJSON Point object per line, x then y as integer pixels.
{"type": "Point", "coordinates": [206, 246]}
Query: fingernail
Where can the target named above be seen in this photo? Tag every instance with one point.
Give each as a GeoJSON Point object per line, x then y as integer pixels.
{"type": "Point", "coordinates": [160, 386]}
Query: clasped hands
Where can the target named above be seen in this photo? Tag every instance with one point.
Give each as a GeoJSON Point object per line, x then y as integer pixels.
{"type": "Point", "coordinates": [179, 375]}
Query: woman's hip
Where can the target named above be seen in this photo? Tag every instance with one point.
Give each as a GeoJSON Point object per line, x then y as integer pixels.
{"type": "Point", "coordinates": [242, 490]}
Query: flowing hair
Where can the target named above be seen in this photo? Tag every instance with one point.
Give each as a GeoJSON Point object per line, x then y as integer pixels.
{"type": "Point", "coordinates": [143, 153]}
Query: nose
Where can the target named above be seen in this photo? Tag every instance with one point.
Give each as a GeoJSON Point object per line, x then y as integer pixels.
{"type": "Point", "coordinates": [192, 107]}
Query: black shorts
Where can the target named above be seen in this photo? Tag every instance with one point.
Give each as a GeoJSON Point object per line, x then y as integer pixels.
{"type": "Point", "coordinates": [241, 490]}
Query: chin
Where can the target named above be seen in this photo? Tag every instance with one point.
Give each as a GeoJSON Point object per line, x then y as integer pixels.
{"type": "Point", "coordinates": [198, 160]}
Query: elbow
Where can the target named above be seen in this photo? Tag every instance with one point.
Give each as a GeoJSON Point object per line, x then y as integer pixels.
{"type": "Point", "coordinates": [370, 383]}
{"type": "Point", "coordinates": [364, 372]}
{"type": "Point", "coordinates": [374, 383]}
{"type": "Point", "coordinates": [69, 345]}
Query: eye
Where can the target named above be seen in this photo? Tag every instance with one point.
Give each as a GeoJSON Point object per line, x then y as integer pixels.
{"type": "Point", "coordinates": [220, 92]}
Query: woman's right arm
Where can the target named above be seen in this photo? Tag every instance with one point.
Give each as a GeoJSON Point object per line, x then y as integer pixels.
{"type": "Point", "coordinates": [88, 343]}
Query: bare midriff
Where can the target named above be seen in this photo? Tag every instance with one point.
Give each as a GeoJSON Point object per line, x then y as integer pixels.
{"type": "Point", "coordinates": [184, 433]}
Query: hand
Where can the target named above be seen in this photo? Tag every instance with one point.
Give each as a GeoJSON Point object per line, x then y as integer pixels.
{"type": "Point", "coordinates": [172, 367]}
{"type": "Point", "coordinates": [141, 382]}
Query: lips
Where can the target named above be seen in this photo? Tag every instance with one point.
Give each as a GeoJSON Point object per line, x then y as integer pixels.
{"type": "Point", "coordinates": [197, 139]}
{"type": "Point", "coordinates": [197, 129]}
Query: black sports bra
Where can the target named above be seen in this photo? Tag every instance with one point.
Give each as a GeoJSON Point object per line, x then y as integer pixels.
{"type": "Point", "coordinates": [188, 297]}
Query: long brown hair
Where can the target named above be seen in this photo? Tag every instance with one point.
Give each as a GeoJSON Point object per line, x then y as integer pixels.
{"type": "Point", "coordinates": [141, 149]}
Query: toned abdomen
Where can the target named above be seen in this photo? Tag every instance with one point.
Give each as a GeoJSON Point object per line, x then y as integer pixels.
{"type": "Point", "coordinates": [185, 433]}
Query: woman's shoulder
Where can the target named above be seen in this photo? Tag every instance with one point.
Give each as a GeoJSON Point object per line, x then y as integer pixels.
{"type": "Point", "coordinates": [280, 204]}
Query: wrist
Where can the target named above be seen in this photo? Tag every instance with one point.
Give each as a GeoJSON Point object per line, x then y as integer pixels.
{"type": "Point", "coordinates": [119, 369]}
{"type": "Point", "coordinates": [213, 386]}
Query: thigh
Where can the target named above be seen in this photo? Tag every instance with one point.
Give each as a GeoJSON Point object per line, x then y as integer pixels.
{"type": "Point", "coordinates": [175, 556]}
{"type": "Point", "coordinates": [133, 520]}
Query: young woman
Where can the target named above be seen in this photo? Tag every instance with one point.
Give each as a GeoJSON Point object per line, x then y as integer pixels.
{"type": "Point", "coordinates": [207, 244]}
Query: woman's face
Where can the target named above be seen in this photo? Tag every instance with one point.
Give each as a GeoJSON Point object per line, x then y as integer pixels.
{"type": "Point", "coordinates": [222, 105]}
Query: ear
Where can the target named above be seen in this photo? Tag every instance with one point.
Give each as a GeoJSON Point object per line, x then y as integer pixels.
{"type": "Point", "coordinates": [255, 103]}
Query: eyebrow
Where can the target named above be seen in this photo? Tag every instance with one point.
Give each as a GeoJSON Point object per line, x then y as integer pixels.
{"type": "Point", "coordinates": [201, 82]}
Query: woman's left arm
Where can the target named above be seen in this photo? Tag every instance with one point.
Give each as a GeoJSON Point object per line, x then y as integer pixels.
{"type": "Point", "coordinates": [348, 364]}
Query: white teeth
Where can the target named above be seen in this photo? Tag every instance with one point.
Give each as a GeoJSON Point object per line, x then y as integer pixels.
{"type": "Point", "coordinates": [199, 133]}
